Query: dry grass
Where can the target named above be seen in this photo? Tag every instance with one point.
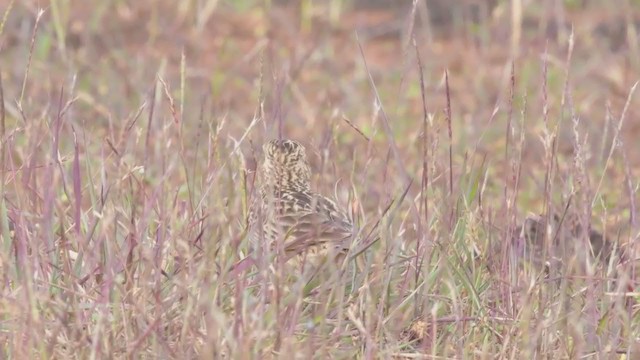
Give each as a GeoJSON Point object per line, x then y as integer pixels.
{"type": "Point", "coordinates": [131, 132]}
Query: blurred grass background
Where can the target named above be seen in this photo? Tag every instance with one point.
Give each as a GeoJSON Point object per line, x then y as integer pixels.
{"type": "Point", "coordinates": [131, 131]}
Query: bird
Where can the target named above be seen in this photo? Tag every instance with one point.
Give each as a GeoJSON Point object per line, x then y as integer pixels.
{"type": "Point", "coordinates": [563, 229]}
{"type": "Point", "coordinates": [310, 225]}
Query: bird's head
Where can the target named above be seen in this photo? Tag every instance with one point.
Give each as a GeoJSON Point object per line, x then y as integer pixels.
{"type": "Point", "coordinates": [286, 165]}
{"type": "Point", "coordinates": [534, 229]}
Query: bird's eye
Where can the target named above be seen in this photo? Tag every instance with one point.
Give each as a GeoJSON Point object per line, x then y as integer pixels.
{"type": "Point", "coordinates": [289, 146]}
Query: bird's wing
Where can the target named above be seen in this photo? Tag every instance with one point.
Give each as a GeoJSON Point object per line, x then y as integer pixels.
{"type": "Point", "coordinates": [312, 220]}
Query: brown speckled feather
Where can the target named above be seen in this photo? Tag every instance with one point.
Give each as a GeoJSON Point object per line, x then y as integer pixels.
{"type": "Point", "coordinates": [287, 210]}
{"type": "Point", "coordinates": [532, 233]}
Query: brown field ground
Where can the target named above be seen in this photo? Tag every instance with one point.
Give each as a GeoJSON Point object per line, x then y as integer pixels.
{"type": "Point", "coordinates": [131, 131]}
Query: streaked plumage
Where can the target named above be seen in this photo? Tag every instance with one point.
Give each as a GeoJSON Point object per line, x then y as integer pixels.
{"type": "Point", "coordinates": [288, 210]}
{"type": "Point", "coordinates": [564, 235]}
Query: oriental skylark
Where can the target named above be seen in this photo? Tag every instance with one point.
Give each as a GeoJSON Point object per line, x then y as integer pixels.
{"type": "Point", "coordinates": [565, 236]}
{"type": "Point", "coordinates": [287, 213]}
